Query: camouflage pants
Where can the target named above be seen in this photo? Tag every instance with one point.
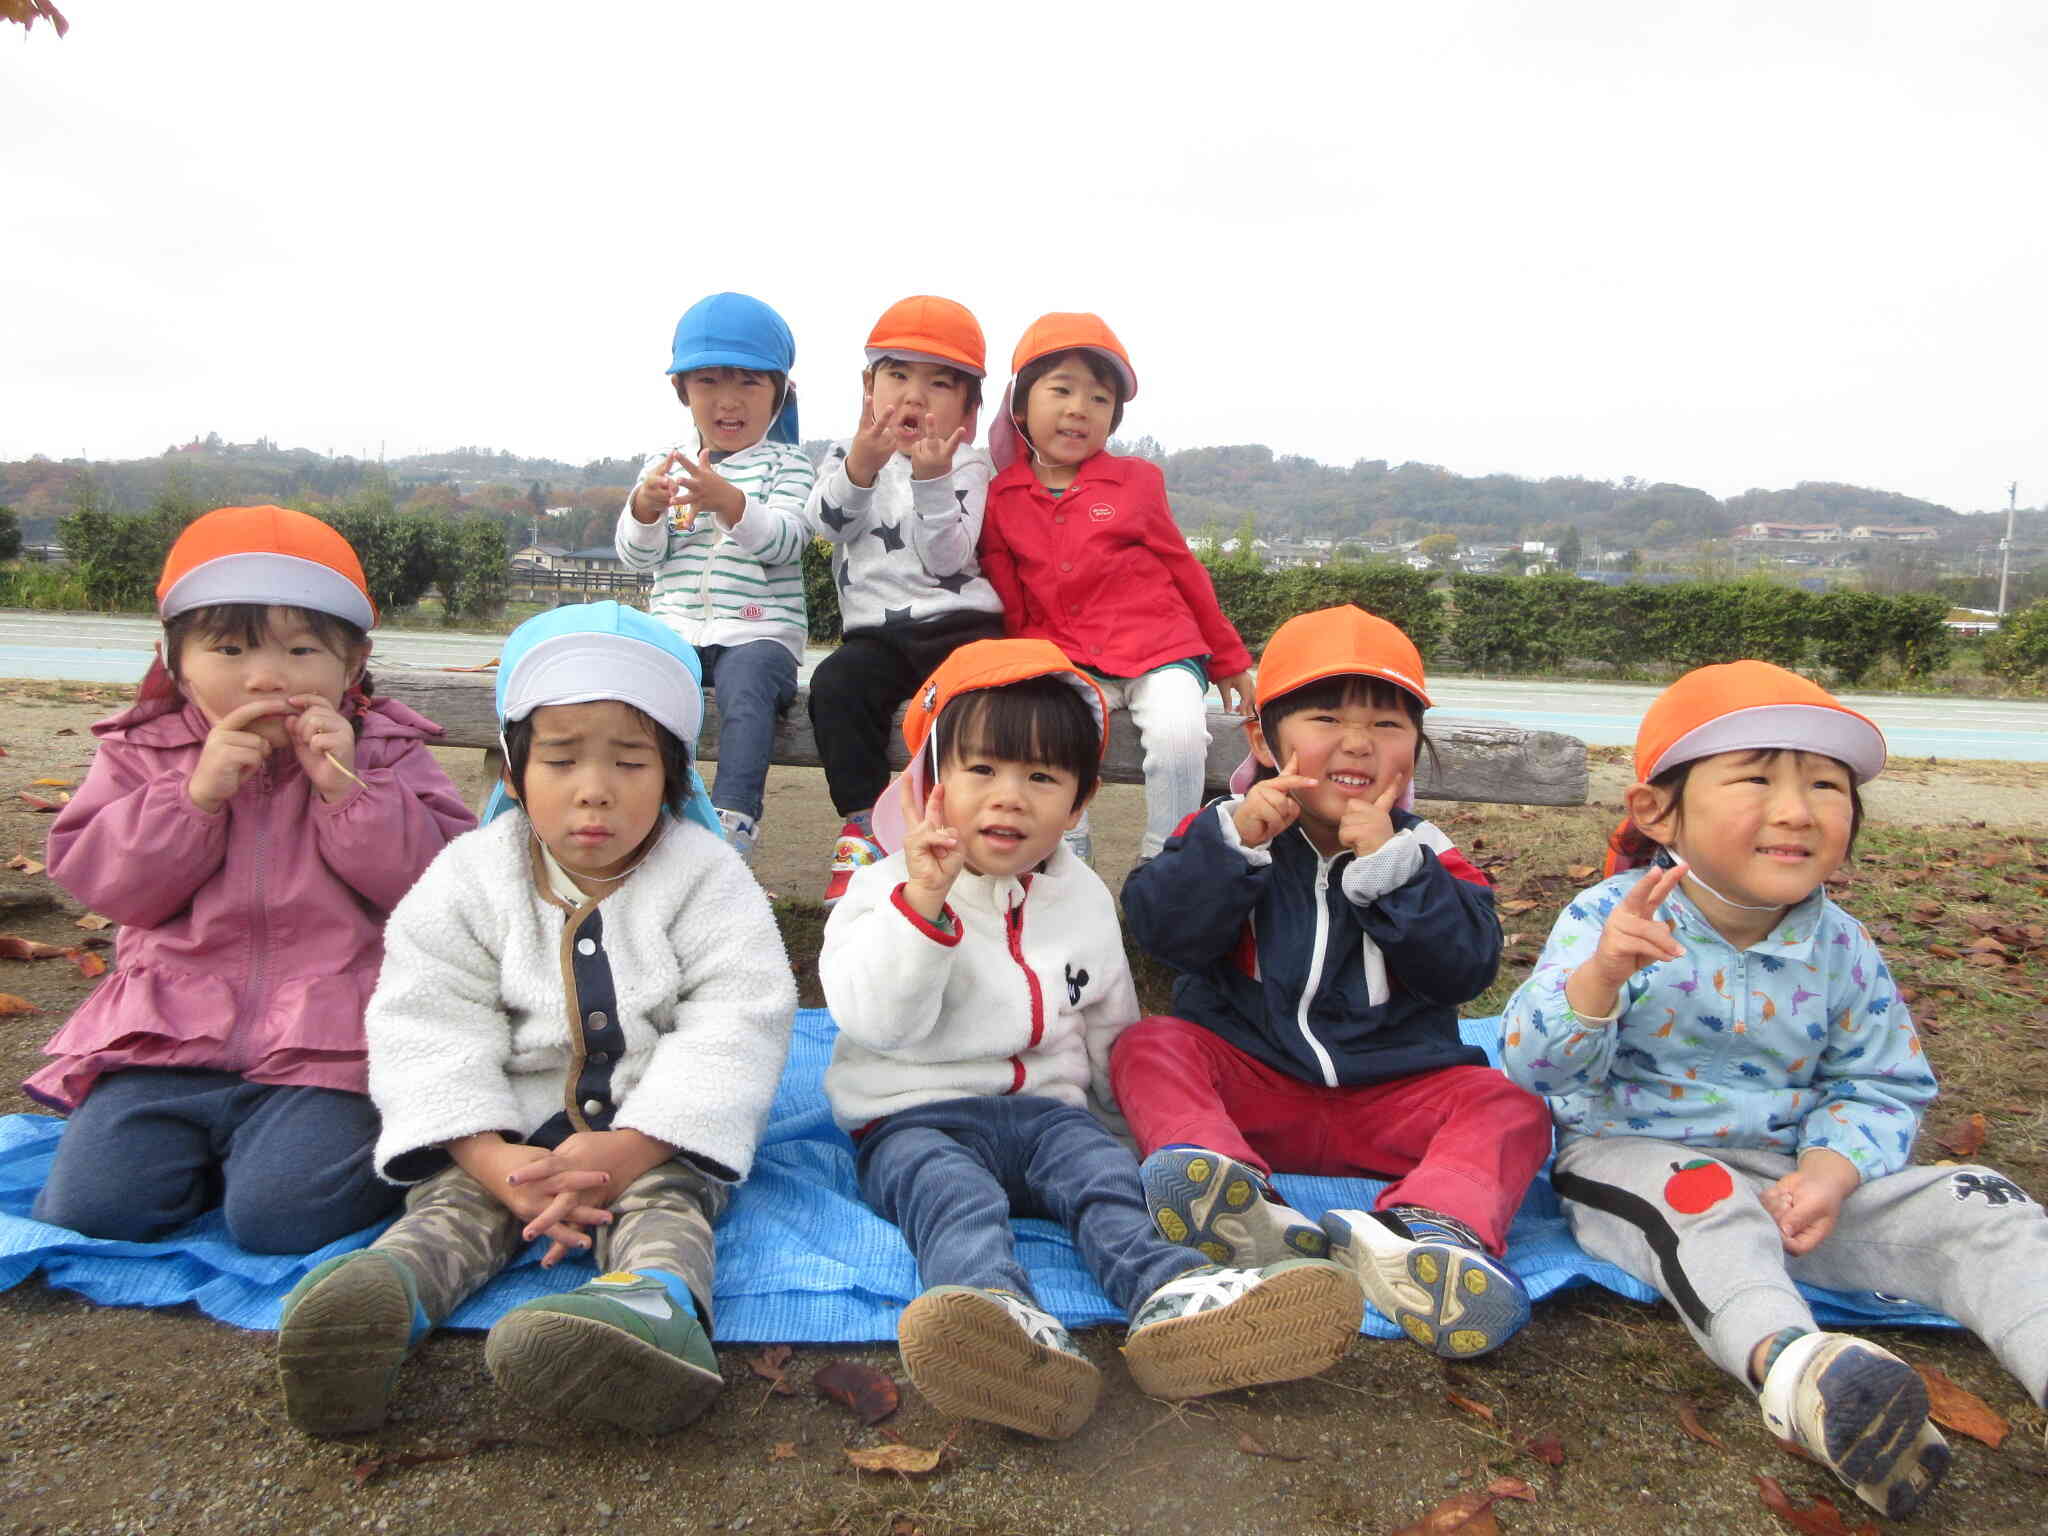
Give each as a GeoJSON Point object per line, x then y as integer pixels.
{"type": "Point", "coordinates": [455, 1235]}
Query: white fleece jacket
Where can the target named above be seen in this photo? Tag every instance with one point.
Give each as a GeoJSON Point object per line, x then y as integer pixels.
{"type": "Point", "coordinates": [469, 1026]}
{"type": "Point", "coordinates": [1025, 995]}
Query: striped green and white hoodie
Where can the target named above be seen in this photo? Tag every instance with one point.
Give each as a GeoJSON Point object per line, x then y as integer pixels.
{"type": "Point", "coordinates": [718, 587]}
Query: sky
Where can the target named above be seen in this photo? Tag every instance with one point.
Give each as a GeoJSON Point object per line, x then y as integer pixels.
{"type": "Point", "coordinates": [1729, 245]}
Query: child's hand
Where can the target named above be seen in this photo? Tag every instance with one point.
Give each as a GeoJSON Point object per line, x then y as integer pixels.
{"type": "Point", "coordinates": [1806, 1202]}
{"type": "Point", "coordinates": [1367, 824]}
{"type": "Point", "coordinates": [1632, 938]}
{"type": "Point", "coordinates": [933, 852]}
{"type": "Point", "coordinates": [1236, 693]}
{"type": "Point", "coordinates": [231, 753]}
{"type": "Point", "coordinates": [872, 445]}
{"type": "Point", "coordinates": [700, 488]}
{"type": "Point", "coordinates": [931, 456]}
{"type": "Point", "coordinates": [317, 732]}
{"type": "Point", "coordinates": [652, 496]}
{"type": "Point", "coordinates": [620, 1156]}
{"type": "Point", "coordinates": [1269, 807]}
{"type": "Point", "coordinates": [559, 1204]}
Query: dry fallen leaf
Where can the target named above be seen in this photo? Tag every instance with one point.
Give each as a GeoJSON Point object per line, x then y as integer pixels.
{"type": "Point", "coordinates": [1462, 1514]}
{"type": "Point", "coordinates": [374, 1466]}
{"type": "Point", "coordinates": [1959, 1409]}
{"type": "Point", "coordinates": [1965, 1139]}
{"type": "Point", "coordinates": [903, 1525]}
{"type": "Point", "coordinates": [868, 1392]}
{"type": "Point", "coordinates": [905, 1459]}
{"type": "Point", "coordinates": [10, 1004]}
{"type": "Point", "coordinates": [38, 803]}
{"type": "Point", "coordinates": [1520, 905]}
{"type": "Point", "coordinates": [1252, 1447]}
{"type": "Point", "coordinates": [1689, 1421]}
{"type": "Point", "coordinates": [53, 783]}
{"type": "Point", "coordinates": [1582, 871]}
{"type": "Point", "coordinates": [770, 1365]}
{"type": "Point", "coordinates": [1547, 1449]}
{"type": "Point", "coordinates": [1819, 1520]}
{"type": "Point", "coordinates": [89, 965]}
{"type": "Point", "coordinates": [14, 947]}
{"type": "Point", "coordinates": [24, 864]}
{"type": "Point", "coordinates": [93, 921]}
{"type": "Point", "coordinates": [782, 1450]}
{"type": "Point", "coordinates": [1477, 1410]}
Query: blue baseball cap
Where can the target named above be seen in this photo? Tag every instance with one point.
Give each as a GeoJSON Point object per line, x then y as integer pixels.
{"type": "Point", "coordinates": [731, 330]}
{"type": "Point", "coordinates": [595, 651]}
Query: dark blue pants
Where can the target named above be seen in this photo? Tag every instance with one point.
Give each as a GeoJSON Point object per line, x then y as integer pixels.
{"type": "Point", "coordinates": [153, 1147]}
{"type": "Point", "coordinates": [952, 1174]}
{"type": "Point", "coordinates": [754, 684]}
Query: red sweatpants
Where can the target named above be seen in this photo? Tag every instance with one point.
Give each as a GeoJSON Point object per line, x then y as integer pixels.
{"type": "Point", "coordinates": [1464, 1141]}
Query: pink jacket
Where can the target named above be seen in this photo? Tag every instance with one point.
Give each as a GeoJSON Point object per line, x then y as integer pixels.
{"type": "Point", "coordinates": [251, 939]}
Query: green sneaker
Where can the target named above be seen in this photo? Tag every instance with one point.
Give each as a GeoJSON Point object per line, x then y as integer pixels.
{"type": "Point", "coordinates": [625, 1349]}
{"type": "Point", "coordinates": [344, 1331]}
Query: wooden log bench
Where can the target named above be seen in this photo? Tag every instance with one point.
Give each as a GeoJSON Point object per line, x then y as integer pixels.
{"type": "Point", "coordinates": [1480, 759]}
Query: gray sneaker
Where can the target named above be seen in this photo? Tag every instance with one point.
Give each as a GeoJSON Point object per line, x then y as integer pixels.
{"type": "Point", "coordinates": [1218, 1206]}
{"type": "Point", "coordinates": [345, 1330]}
{"type": "Point", "coordinates": [1213, 1330]}
{"type": "Point", "coordinates": [740, 831]}
{"type": "Point", "coordinates": [990, 1355]}
{"type": "Point", "coordinates": [1861, 1412]}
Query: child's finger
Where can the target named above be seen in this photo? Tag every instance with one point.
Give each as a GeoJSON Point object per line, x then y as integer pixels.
{"type": "Point", "coordinates": [1384, 801]}
{"type": "Point", "coordinates": [1291, 766]}
{"type": "Point", "coordinates": [256, 709]}
{"type": "Point", "coordinates": [912, 814]}
{"type": "Point", "coordinates": [1285, 783]}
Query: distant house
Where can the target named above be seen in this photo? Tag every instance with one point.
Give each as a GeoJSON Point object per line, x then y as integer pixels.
{"type": "Point", "coordinates": [1894, 535]}
{"type": "Point", "coordinates": [598, 557]}
{"type": "Point", "coordinates": [1803, 533]}
{"type": "Point", "coordinates": [540, 557]}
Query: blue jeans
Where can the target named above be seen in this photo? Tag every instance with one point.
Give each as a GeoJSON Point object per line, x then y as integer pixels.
{"type": "Point", "coordinates": [755, 683]}
{"type": "Point", "coordinates": [952, 1174]}
{"type": "Point", "coordinates": [153, 1147]}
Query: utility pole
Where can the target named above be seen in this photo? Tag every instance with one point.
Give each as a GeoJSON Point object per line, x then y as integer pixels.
{"type": "Point", "coordinates": [2012, 501]}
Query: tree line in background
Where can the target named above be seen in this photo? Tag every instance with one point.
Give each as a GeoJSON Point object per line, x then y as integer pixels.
{"type": "Point", "coordinates": [116, 557]}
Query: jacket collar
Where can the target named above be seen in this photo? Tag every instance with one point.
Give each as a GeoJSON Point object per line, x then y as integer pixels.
{"type": "Point", "coordinates": [1791, 939]}
{"type": "Point", "coordinates": [1100, 468]}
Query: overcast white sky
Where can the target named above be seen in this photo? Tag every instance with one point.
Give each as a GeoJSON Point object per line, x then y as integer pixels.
{"type": "Point", "coordinates": [1725, 244]}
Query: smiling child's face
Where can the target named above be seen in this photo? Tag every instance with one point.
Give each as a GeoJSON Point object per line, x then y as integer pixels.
{"type": "Point", "coordinates": [1763, 829]}
{"type": "Point", "coordinates": [1010, 814]}
{"type": "Point", "coordinates": [733, 407]}
{"type": "Point", "coordinates": [1353, 749]}
{"type": "Point", "coordinates": [1068, 414]}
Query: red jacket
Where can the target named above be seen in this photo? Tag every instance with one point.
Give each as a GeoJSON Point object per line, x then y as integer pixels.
{"type": "Point", "coordinates": [1102, 570]}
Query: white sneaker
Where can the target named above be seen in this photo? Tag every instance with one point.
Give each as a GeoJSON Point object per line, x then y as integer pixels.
{"type": "Point", "coordinates": [987, 1354]}
{"type": "Point", "coordinates": [1861, 1412]}
{"type": "Point", "coordinates": [1211, 1330]}
{"type": "Point", "coordinates": [740, 831]}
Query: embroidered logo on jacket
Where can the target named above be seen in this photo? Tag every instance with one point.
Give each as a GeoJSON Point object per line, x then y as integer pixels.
{"type": "Point", "coordinates": [1076, 980]}
{"type": "Point", "coordinates": [1101, 512]}
{"type": "Point", "coordinates": [752, 611]}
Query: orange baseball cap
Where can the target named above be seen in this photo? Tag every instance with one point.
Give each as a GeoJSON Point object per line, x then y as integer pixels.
{"type": "Point", "coordinates": [926, 329]}
{"type": "Point", "coordinates": [264, 555]}
{"type": "Point", "coordinates": [1043, 337]}
{"type": "Point", "coordinates": [980, 664]}
{"type": "Point", "coordinates": [1337, 642]}
{"type": "Point", "coordinates": [1744, 706]}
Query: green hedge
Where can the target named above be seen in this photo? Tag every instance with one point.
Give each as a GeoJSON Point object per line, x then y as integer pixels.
{"type": "Point", "coordinates": [1536, 623]}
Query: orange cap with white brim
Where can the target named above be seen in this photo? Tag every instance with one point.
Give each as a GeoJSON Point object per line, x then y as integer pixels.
{"type": "Point", "coordinates": [977, 665]}
{"type": "Point", "coordinates": [266, 555]}
{"type": "Point", "coordinates": [1060, 332]}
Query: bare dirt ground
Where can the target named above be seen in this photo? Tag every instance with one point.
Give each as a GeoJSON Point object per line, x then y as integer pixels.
{"type": "Point", "coordinates": [117, 1420]}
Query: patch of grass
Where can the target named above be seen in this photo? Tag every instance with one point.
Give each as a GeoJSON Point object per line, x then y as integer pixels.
{"type": "Point", "coordinates": [37, 690]}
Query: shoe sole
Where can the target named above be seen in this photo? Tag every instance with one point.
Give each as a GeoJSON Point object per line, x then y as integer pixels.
{"type": "Point", "coordinates": [1875, 1430]}
{"type": "Point", "coordinates": [581, 1369]}
{"type": "Point", "coordinates": [339, 1352]}
{"type": "Point", "coordinates": [1292, 1325]}
{"type": "Point", "coordinates": [1213, 1205]}
{"type": "Point", "coordinates": [1439, 1294]}
{"type": "Point", "coordinates": [969, 1359]}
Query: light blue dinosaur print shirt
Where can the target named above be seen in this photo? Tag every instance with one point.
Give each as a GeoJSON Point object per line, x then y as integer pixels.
{"type": "Point", "coordinates": [1798, 1041]}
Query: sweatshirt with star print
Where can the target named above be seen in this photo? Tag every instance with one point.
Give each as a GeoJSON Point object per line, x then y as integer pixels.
{"type": "Point", "coordinates": [903, 550]}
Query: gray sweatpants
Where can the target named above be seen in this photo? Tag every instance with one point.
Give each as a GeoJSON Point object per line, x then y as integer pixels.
{"type": "Point", "coordinates": [1964, 1240]}
{"type": "Point", "coordinates": [455, 1236]}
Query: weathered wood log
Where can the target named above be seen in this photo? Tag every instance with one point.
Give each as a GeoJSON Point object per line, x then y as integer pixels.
{"type": "Point", "coordinates": [1480, 759]}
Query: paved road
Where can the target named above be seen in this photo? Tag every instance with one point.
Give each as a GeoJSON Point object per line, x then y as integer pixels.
{"type": "Point", "coordinates": [91, 648]}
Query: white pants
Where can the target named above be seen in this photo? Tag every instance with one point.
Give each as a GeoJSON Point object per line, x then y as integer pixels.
{"type": "Point", "coordinates": [1171, 713]}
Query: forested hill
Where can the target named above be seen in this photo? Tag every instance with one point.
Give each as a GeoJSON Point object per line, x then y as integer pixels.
{"type": "Point", "coordinates": [1286, 496]}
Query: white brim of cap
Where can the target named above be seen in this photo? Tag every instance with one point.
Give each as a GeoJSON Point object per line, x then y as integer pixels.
{"type": "Point", "coordinates": [1838, 733]}
{"type": "Point", "coordinates": [264, 576]}
{"type": "Point", "coordinates": [903, 354]}
{"type": "Point", "coordinates": [590, 667]}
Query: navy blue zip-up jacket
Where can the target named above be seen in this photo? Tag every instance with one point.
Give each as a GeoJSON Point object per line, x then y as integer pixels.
{"type": "Point", "coordinates": [1335, 971]}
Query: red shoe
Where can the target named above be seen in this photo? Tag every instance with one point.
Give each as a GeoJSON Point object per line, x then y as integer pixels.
{"type": "Point", "coordinates": [854, 850]}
